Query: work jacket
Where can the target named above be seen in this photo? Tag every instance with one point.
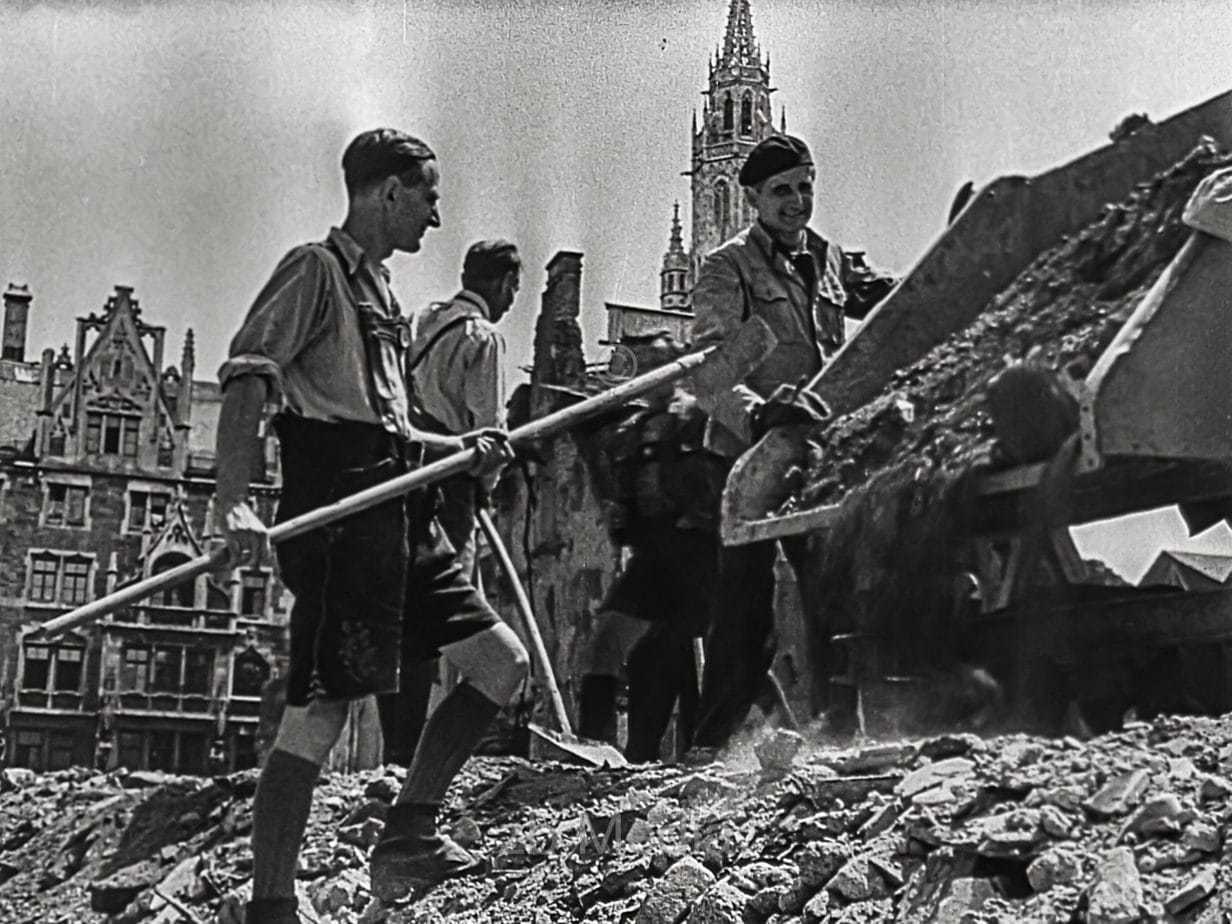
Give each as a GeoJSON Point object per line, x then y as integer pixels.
{"type": "Point", "coordinates": [750, 276]}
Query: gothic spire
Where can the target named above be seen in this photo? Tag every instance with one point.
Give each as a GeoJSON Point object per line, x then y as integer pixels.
{"type": "Point", "coordinates": [675, 258]}
{"type": "Point", "coordinates": [739, 45]}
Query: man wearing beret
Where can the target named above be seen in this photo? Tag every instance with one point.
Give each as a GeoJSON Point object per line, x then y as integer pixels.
{"type": "Point", "coordinates": [802, 286]}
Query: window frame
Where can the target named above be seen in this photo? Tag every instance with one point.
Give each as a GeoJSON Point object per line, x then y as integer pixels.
{"type": "Point", "coordinates": [150, 490]}
{"type": "Point", "coordinates": [113, 428]}
{"type": "Point", "coordinates": [58, 598]}
{"type": "Point", "coordinates": [267, 581]}
{"type": "Point", "coordinates": [139, 661]}
{"type": "Point", "coordinates": [52, 650]}
{"type": "Point", "coordinates": [68, 484]}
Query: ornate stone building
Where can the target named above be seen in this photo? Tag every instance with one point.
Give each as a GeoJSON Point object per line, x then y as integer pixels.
{"type": "Point", "coordinates": [106, 474]}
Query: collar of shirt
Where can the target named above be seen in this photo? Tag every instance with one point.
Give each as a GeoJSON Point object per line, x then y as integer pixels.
{"type": "Point", "coordinates": [466, 299]}
{"type": "Point", "coordinates": [354, 257]}
{"type": "Point", "coordinates": [814, 244]}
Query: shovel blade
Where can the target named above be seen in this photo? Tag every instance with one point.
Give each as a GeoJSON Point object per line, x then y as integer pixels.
{"type": "Point", "coordinates": [547, 744]}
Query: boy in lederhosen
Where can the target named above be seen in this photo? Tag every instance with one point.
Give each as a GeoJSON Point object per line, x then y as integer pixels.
{"type": "Point", "coordinates": [325, 340]}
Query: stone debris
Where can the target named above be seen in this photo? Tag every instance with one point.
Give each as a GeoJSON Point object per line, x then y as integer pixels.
{"type": "Point", "coordinates": [1119, 794]}
{"type": "Point", "coordinates": [1195, 890]}
{"type": "Point", "coordinates": [1013, 829]}
{"type": "Point", "coordinates": [1068, 304]}
{"type": "Point", "coordinates": [778, 749]}
{"type": "Point", "coordinates": [1116, 894]}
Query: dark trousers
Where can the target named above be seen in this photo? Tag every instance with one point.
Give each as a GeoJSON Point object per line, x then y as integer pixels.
{"type": "Point", "coordinates": [661, 676]}
{"type": "Point", "coordinates": [741, 643]}
{"type": "Point", "coordinates": [667, 582]}
{"type": "Point", "coordinates": [403, 714]}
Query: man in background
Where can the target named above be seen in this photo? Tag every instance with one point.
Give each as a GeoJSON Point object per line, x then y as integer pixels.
{"type": "Point", "coordinates": [456, 380]}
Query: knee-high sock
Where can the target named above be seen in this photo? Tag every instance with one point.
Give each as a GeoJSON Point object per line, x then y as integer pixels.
{"type": "Point", "coordinates": [279, 816]}
{"type": "Point", "coordinates": [451, 735]}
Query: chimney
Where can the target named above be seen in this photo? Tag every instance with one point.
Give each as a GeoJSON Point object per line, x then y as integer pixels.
{"type": "Point", "coordinates": [48, 379]}
{"type": "Point", "coordinates": [558, 336]}
{"type": "Point", "coordinates": [16, 315]}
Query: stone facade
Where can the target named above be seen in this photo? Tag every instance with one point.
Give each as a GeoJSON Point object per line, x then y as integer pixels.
{"type": "Point", "coordinates": [106, 478]}
{"type": "Point", "coordinates": [735, 117]}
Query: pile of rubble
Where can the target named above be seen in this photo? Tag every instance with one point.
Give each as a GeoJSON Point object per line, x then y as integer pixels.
{"type": "Point", "coordinates": [1066, 306]}
{"type": "Point", "coordinates": [1130, 826]}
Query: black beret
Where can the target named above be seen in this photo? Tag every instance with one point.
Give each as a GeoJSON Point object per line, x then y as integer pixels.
{"type": "Point", "coordinates": [774, 155]}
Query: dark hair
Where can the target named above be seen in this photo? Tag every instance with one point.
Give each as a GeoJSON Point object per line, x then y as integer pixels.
{"type": "Point", "coordinates": [384, 152]}
{"type": "Point", "coordinates": [488, 261]}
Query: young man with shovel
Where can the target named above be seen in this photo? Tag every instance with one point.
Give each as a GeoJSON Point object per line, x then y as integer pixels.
{"type": "Point", "coordinates": [325, 340]}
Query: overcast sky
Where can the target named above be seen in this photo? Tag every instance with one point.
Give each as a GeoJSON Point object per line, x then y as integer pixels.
{"type": "Point", "coordinates": [181, 148]}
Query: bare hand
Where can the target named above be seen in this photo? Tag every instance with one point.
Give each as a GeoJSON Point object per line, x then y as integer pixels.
{"type": "Point", "coordinates": [492, 451]}
{"type": "Point", "coordinates": [246, 537]}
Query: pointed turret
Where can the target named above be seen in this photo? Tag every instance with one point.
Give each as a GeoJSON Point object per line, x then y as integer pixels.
{"type": "Point", "coordinates": [739, 45]}
{"type": "Point", "coordinates": [188, 368]}
{"type": "Point", "coordinates": [674, 277]}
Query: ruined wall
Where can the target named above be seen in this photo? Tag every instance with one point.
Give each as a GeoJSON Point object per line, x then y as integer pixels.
{"type": "Point", "coordinates": [571, 560]}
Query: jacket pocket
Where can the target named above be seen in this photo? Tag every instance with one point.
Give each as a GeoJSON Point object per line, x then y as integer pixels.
{"type": "Point", "coordinates": [773, 303]}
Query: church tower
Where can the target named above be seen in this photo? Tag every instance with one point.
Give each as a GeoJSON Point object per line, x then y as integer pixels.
{"type": "Point", "coordinates": [735, 116]}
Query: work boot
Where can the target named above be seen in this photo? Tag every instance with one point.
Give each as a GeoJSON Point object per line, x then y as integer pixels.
{"type": "Point", "coordinates": [272, 911]}
{"type": "Point", "coordinates": [412, 865]}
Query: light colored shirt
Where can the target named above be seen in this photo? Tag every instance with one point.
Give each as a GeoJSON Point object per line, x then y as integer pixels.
{"type": "Point", "coordinates": [303, 336]}
{"type": "Point", "coordinates": [458, 377]}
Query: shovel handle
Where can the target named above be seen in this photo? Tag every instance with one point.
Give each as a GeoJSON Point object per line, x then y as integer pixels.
{"type": "Point", "coordinates": [219, 558]}
{"type": "Point", "coordinates": [750, 347]}
{"type": "Point", "coordinates": [528, 617]}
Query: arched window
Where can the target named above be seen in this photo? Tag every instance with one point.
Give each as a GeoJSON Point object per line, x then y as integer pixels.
{"type": "Point", "coordinates": [180, 595]}
{"type": "Point", "coordinates": [746, 114]}
{"type": "Point", "coordinates": [722, 209]}
{"type": "Point", "coordinates": [251, 672]}
{"type": "Point", "coordinates": [728, 112]}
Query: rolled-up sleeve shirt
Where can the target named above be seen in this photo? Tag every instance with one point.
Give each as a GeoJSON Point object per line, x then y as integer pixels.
{"type": "Point", "coordinates": [303, 334]}
{"type": "Point", "coordinates": [457, 357]}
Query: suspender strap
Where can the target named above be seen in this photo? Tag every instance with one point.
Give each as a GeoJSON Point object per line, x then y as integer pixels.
{"type": "Point", "coordinates": [433, 341]}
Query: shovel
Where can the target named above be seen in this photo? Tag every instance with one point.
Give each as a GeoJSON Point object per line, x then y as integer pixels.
{"type": "Point", "coordinates": [591, 752]}
{"type": "Point", "coordinates": [711, 370]}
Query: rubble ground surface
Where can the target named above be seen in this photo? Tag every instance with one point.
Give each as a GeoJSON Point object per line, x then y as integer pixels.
{"type": "Point", "coordinates": [1128, 826]}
